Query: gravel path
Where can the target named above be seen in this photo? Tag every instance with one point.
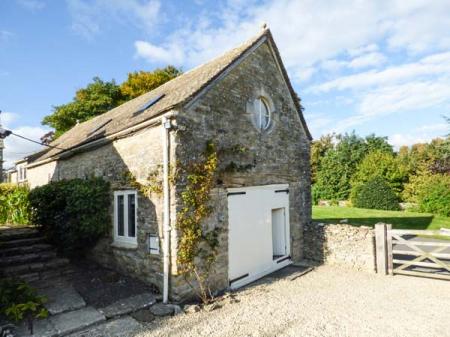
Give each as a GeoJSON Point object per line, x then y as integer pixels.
{"type": "Point", "coordinates": [326, 302]}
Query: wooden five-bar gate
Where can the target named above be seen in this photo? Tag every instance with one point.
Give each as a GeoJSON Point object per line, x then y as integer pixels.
{"type": "Point", "coordinates": [423, 253]}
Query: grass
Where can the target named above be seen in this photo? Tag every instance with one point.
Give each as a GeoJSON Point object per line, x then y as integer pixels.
{"type": "Point", "coordinates": [369, 217]}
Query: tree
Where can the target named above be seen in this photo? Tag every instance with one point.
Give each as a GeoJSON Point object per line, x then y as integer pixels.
{"type": "Point", "coordinates": [140, 82]}
{"type": "Point", "coordinates": [100, 96]}
{"type": "Point", "coordinates": [382, 164]}
{"type": "Point", "coordinates": [334, 161]}
{"type": "Point", "coordinates": [97, 98]}
{"type": "Point", "coordinates": [318, 149]}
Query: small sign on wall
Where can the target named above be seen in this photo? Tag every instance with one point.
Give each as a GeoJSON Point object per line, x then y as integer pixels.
{"type": "Point", "coordinates": [153, 244]}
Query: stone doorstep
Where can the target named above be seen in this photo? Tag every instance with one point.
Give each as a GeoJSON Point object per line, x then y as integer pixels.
{"type": "Point", "coordinates": [62, 298]}
{"type": "Point", "coordinates": [120, 327]}
{"type": "Point", "coordinates": [128, 305]}
{"type": "Point", "coordinates": [72, 321]}
{"type": "Point", "coordinates": [62, 324]}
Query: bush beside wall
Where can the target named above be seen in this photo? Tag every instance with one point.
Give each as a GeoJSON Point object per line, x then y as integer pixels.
{"type": "Point", "coordinates": [14, 205]}
{"type": "Point", "coordinates": [73, 214]}
{"type": "Point", "coordinates": [375, 194]}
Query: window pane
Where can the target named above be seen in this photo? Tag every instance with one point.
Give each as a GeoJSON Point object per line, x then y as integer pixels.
{"type": "Point", "coordinates": [131, 215]}
{"type": "Point", "coordinates": [120, 215]}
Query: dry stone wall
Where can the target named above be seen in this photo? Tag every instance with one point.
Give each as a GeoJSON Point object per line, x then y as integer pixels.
{"type": "Point", "coordinates": [340, 244]}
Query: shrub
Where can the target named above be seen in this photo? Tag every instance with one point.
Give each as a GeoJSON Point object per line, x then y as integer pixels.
{"type": "Point", "coordinates": [382, 164]}
{"type": "Point", "coordinates": [14, 205]}
{"type": "Point", "coordinates": [375, 194]}
{"type": "Point", "coordinates": [73, 214]}
{"type": "Point", "coordinates": [19, 301]}
{"type": "Point", "coordinates": [434, 195]}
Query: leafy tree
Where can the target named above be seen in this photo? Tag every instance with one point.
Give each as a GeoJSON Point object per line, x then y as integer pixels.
{"type": "Point", "coordinates": [140, 82]}
{"type": "Point", "coordinates": [382, 164]}
{"type": "Point", "coordinates": [318, 149]}
{"type": "Point", "coordinates": [97, 98]}
{"type": "Point", "coordinates": [335, 169]}
{"type": "Point", "coordinates": [100, 96]}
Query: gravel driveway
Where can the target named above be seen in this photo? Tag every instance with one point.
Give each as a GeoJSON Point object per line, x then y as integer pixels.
{"type": "Point", "coordinates": [328, 301]}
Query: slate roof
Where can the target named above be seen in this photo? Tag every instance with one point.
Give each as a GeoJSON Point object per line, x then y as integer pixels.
{"type": "Point", "coordinates": [177, 92]}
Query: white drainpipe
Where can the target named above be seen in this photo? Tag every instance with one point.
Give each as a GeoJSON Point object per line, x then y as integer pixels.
{"type": "Point", "coordinates": [166, 212]}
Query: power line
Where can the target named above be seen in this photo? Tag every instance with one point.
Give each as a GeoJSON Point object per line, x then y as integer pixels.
{"type": "Point", "coordinates": [36, 142]}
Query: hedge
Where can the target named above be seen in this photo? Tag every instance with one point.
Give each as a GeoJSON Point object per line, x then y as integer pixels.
{"type": "Point", "coordinates": [73, 214]}
{"type": "Point", "coordinates": [375, 194]}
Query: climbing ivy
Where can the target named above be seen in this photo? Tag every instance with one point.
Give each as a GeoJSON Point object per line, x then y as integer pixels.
{"type": "Point", "coordinates": [197, 247]}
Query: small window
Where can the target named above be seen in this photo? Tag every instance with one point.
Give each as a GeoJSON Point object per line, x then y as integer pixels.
{"type": "Point", "coordinates": [22, 173]}
{"type": "Point", "coordinates": [125, 217]}
{"type": "Point", "coordinates": [262, 113]}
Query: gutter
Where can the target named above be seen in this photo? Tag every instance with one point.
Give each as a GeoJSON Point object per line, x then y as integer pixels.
{"type": "Point", "coordinates": [104, 140]}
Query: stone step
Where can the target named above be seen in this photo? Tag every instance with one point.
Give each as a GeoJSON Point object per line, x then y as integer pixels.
{"type": "Point", "coordinates": [21, 242]}
{"type": "Point", "coordinates": [63, 324]}
{"type": "Point", "coordinates": [36, 277]}
{"type": "Point", "coordinates": [17, 260]}
{"type": "Point", "coordinates": [21, 250]}
{"type": "Point", "coordinates": [120, 327]}
{"type": "Point", "coordinates": [18, 233]}
{"type": "Point", "coordinates": [36, 267]}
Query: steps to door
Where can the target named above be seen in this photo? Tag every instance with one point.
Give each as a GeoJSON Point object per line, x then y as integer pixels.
{"type": "Point", "coordinates": [24, 254]}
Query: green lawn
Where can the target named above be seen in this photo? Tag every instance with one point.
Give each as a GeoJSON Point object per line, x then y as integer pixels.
{"type": "Point", "coordinates": [369, 217]}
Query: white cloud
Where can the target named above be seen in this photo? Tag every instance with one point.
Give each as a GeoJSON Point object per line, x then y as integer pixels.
{"type": "Point", "coordinates": [16, 148]}
{"type": "Point", "coordinates": [31, 5]}
{"type": "Point", "coordinates": [367, 60]}
{"type": "Point", "coordinates": [305, 35]}
{"type": "Point", "coordinates": [423, 134]}
{"type": "Point", "coordinates": [158, 54]}
{"type": "Point", "coordinates": [432, 65]}
{"type": "Point", "coordinates": [89, 17]}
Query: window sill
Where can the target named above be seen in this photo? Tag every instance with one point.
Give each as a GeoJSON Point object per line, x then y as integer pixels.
{"type": "Point", "coordinates": [124, 245]}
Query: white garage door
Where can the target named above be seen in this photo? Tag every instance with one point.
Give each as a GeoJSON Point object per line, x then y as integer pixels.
{"type": "Point", "coordinates": [258, 232]}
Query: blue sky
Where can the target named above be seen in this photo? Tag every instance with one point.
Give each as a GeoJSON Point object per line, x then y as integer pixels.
{"type": "Point", "coordinates": [371, 66]}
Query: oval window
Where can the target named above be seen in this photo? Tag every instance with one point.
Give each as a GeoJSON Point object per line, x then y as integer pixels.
{"type": "Point", "coordinates": [262, 113]}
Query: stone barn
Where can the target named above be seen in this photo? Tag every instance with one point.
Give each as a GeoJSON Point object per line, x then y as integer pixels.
{"type": "Point", "coordinates": [240, 100]}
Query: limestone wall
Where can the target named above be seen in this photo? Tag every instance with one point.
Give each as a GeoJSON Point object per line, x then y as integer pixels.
{"type": "Point", "coordinates": [341, 244]}
{"type": "Point", "coordinates": [279, 155]}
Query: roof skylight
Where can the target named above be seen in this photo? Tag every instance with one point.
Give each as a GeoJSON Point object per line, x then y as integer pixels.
{"type": "Point", "coordinates": [151, 102]}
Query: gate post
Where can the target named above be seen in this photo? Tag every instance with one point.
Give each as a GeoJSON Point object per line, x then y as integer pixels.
{"type": "Point", "coordinates": [389, 255]}
{"type": "Point", "coordinates": [381, 248]}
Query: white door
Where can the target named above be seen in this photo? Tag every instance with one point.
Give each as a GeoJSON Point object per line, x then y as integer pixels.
{"type": "Point", "coordinates": [258, 232]}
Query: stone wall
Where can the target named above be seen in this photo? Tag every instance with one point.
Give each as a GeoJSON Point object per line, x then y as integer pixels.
{"type": "Point", "coordinates": [279, 155]}
{"type": "Point", "coordinates": [341, 244]}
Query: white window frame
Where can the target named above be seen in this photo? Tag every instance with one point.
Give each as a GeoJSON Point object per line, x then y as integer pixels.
{"type": "Point", "coordinates": [21, 173]}
{"type": "Point", "coordinates": [263, 104]}
{"type": "Point", "coordinates": [125, 240]}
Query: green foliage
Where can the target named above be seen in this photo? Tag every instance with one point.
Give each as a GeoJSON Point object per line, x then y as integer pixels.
{"type": "Point", "coordinates": [14, 205]}
{"type": "Point", "coordinates": [433, 194]}
{"type": "Point", "coordinates": [384, 164]}
{"type": "Point", "coordinates": [73, 214]}
{"type": "Point", "coordinates": [140, 82]}
{"type": "Point", "coordinates": [375, 194]}
{"type": "Point", "coordinates": [97, 98]}
{"type": "Point", "coordinates": [19, 301]}
{"type": "Point", "coordinates": [318, 149]}
{"type": "Point", "coordinates": [197, 247]}
{"type": "Point", "coordinates": [338, 164]}
{"type": "Point", "coordinates": [101, 96]}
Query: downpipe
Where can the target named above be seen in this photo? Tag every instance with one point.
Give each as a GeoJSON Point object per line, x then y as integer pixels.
{"type": "Point", "coordinates": [166, 126]}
